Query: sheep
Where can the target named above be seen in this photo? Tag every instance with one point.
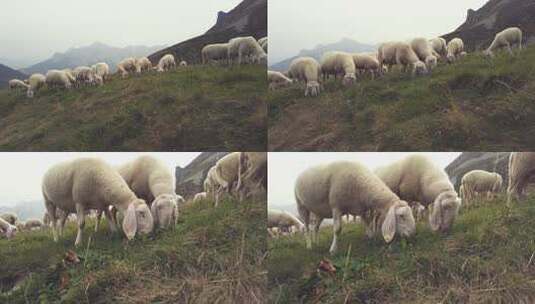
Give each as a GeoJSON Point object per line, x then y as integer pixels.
{"type": "Point", "coordinates": [101, 69]}
{"type": "Point", "coordinates": [455, 47]}
{"type": "Point", "coordinates": [521, 172]}
{"type": "Point", "coordinates": [226, 174]}
{"type": "Point", "coordinates": [415, 178]}
{"type": "Point", "coordinates": [480, 181]}
{"type": "Point", "coordinates": [126, 66]}
{"type": "Point", "coordinates": [143, 64]}
{"type": "Point", "coordinates": [83, 75]}
{"type": "Point", "coordinates": [246, 50]}
{"type": "Point", "coordinates": [89, 183]}
{"type": "Point", "coordinates": [505, 39]}
{"type": "Point", "coordinates": [7, 229]}
{"type": "Point", "coordinates": [252, 175]}
{"type": "Point", "coordinates": [16, 84]}
{"type": "Point", "coordinates": [263, 43]}
{"type": "Point", "coordinates": [336, 63]}
{"type": "Point", "coordinates": [306, 69]}
{"type": "Point", "coordinates": [36, 82]}
{"type": "Point", "coordinates": [210, 183]}
{"type": "Point", "coordinates": [166, 63]}
{"type": "Point", "coordinates": [418, 210]}
{"type": "Point", "coordinates": [283, 220]}
{"type": "Point", "coordinates": [10, 217]}
{"type": "Point", "coordinates": [400, 53]}
{"type": "Point", "coordinates": [424, 51]}
{"type": "Point", "coordinates": [183, 63]}
{"type": "Point", "coordinates": [33, 224]}
{"type": "Point", "coordinates": [439, 46]}
{"type": "Point", "coordinates": [367, 63]}
{"type": "Point", "coordinates": [214, 52]}
{"type": "Point", "coordinates": [199, 196]}
{"type": "Point", "coordinates": [56, 78]}
{"type": "Point", "coordinates": [344, 187]}
{"type": "Point", "coordinates": [151, 180]}
{"type": "Point", "coordinates": [277, 79]}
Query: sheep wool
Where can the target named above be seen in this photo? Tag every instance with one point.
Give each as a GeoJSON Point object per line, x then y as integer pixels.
{"type": "Point", "coordinates": [306, 69]}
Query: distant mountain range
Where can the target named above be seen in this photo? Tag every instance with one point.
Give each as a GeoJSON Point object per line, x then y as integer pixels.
{"type": "Point", "coordinates": [88, 55]}
{"type": "Point", "coordinates": [7, 73]}
{"type": "Point", "coordinates": [26, 210]}
{"type": "Point", "coordinates": [345, 45]}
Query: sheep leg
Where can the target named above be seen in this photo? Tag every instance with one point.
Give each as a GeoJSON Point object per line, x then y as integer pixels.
{"type": "Point", "coordinates": [316, 236]}
{"type": "Point", "coordinates": [51, 209]}
{"type": "Point", "coordinates": [61, 224]}
{"type": "Point", "coordinates": [305, 215]}
{"type": "Point", "coordinates": [337, 228]}
{"type": "Point", "coordinates": [111, 216]}
{"type": "Point", "coordinates": [508, 46]}
{"type": "Point", "coordinates": [80, 214]}
{"type": "Point", "coordinates": [99, 216]}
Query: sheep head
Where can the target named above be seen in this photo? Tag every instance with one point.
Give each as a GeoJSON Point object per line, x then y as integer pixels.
{"type": "Point", "coordinates": [138, 219]}
{"type": "Point", "coordinates": [398, 219]}
{"type": "Point", "coordinates": [164, 210]}
{"type": "Point", "coordinates": [445, 209]}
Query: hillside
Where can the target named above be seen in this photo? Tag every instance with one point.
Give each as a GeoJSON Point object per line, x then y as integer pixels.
{"type": "Point", "coordinates": [199, 108]}
{"type": "Point", "coordinates": [249, 18]}
{"type": "Point", "coordinates": [487, 258]}
{"type": "Point", "coordinates": [488, 161]}
{"type": "Point", "coordinates": [211, 256]}
{"type": "Point", "coordinates": [7, 73]}
{"type": "Point", "coordinates": [473, 105]}
{"type": "Point", "coordinates": [190, 179]}
{"type": "Point", "coordinates": [344, 45]}
{"type": "Point", "coordinates": [481, 25]}
{"type": "Point", "coordinates": [88, 55]}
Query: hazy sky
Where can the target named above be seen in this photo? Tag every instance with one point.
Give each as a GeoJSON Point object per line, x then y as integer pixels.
{"type": "Point", "coordinates": [284, 168]}
{"type": "Point", "coordinates": [37, 28]}
{"type": "Point", "coordinates": [302, 24]}
{"type": "Point", "coordinates": [22, 173]}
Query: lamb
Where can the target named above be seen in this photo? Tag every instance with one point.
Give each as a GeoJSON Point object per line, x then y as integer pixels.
{"type": "Point", "coordinates": [416, 179]}
{"type": "Point", "coordinates": [33, 224]}
{"type": "Point", "coordinates": [10, 217]}
{"type": "Point", "coordinates": [424, 51]}
{"type": "Point", "coordinates": [15, 84]}
{"type": "Point", "coordinates": [521, 172]}
{"type": "Point", "coordinates": [246, 50]}
{"type": "Point", "coordinates": [101, 69]}
{"type": "Point", "coordinates": [88, 183]}
{"type": "Point", "coordinates": [455, 48]}
{"type": "Point", "coordinates": [199, 196]}
{"type": "Point", "coordinates": [277, 80]}
{"type": "Point", "coordinates": [439, 46]}
{"type": "Point", "coordinates": [480, 181]}
{"type": "Point", "coordinates": [151, 180]}
{"type": "Point", "coordinates": [344, 187]}
{"type": "Point", "coordinates": [226, 174]}
{"type": "Point", "coordinates": [263, 43]}
{"type": "Point", "coordinates": [283, 220]}
{"type": "Point", "coordinates": [143, 64]}
{"type": "Point", "coordinates": [7, 229]}
{"type": "Point", "coordinates": [214, 52]}
{"type": "Point", "coordinates": [166, 63]}
{"type": "Point", "coordinates": [36, 82]}
{"type": "Point", "coordinates": [252, 175]}
{"type": "Point", "coordinates": [367, 63]}
{"type": "Point", "coordinates": [336, 63]}
{"type": "Point", "coordinates": [401, 53]}
{"type": "Point", "coordinates": [306, 69]}
{"type": "Point", "coordinates": [83, 75]}
{"type": "Point", "coordinates": [505, 39]}
{"type": "Point", "coordinates": [126, 66]}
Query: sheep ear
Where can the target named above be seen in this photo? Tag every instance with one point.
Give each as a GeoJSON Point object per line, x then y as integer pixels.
{"type": "Point", "coordinates": [389, 224]}
{"type": "Point", "coordinates": [435, 218]}
{"type": "Point", "coordinates": [130, 222]}
{"type": "Point", "coordinates": [154, 212]}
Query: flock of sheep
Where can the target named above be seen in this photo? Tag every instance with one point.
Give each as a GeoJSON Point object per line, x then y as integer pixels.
{"type": "Point", "coordinates": [141, 190]}
{"type": "Point", "coordinates": [388, 200]}
{"type": "Point", "coordinates": [237, 50]}
{"type": "Point", "coordinates": [419, 56]}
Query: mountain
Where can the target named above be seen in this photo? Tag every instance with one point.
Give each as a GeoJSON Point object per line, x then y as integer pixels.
{"type": "Point", "coordinates": [249, 18]}
{"type": "Point", "coordinates": [88, 55]}
{"type": "Point", "coordinates": [481, 25]}
{"type": "Point", "coordinates": [488, 161]}
{"type": "Point", "coordinates": [189, 180]}
{"type": "Point", "coordinates": [26, 210]}
{"type": "Point", "coordinates": [345, 45]}
{"type": "Point", "coordinates": [7, 73]}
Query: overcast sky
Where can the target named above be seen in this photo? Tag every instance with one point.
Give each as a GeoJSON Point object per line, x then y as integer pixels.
{"type": "Point", "coordinates": [302, 24]}
{"type": "Point", "coordinates": [37, 28]}
{"type": "Point", "coordinates": [284, 168]}
{"type": "Point", "coordinates": [22, 173]}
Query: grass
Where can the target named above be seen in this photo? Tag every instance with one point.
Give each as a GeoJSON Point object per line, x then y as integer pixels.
{"type": "Point", "coordinates": [472, 105]}
{"type": "Point", "coordinates": [198, 108]}
{"type": "Point", "coordinates": [487, 258]}
{"type": "Point", "coordinates": [211, 256]}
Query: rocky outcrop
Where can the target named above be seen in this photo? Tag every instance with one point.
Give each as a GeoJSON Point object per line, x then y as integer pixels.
{"type": "Point", "coordinates": [488, 161]}
{"type": "Point", "coordinates": [189, 180]}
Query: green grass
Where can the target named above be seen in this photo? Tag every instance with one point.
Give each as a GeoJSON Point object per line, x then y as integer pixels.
{"type": "Point", "coordinates": [198, 108]}
{"type": "Point", "coordinates": [472, 105]}
{"type": "Point", "coordinates": [211, 256]}
{"type": "Point", "coordinates": [487, 258]}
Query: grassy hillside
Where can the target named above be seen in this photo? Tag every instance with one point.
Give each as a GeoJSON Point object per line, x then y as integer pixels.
{"type": "Point", "coordinates": [473, 105]}
{"type": "Point", "coordinates": [193, 109]}
{"type": "Point", "coordinates": [487, 258]}
{"type": "Point", "coordinates": [212, 256]}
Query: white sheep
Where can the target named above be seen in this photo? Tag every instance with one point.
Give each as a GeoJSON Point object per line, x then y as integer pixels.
{"type": "Point", "coordinates": [416, 179]}
{"type": "Point", "coordinates": [16, 84]}
{"type": "Point", "coordinates": [56, 78]}
{"type": "Point", "coordinates": [424, 51]}
{"type": "Point", "coordinates": [277, 80]}
{"type": "Point", "coordinates": [33, 224]}
{"type": "Point", "coordinates": [263, 43]}
{"type": "Point", "coordinates": [343, 187]}
{"type": "Point", "coordinates": [210, 183]}
{"type": "Point", "coordinates": [339, 63]}
{"type": "Point", "coordinates": [400, 53]}
{"type": "Point", "coordinates": [143, 64]}
{"type": "Point", "coordinates": [306, 69]}
{"type": "Point", "coordinates": [226, 174]}
{"type": "Point", "coordinates": [246, 50]}
{"type": "Point", "coordinates": [521, 173]}
{"type": "Point", "coordinates": [166, 63]}
{"type": "Point", "coordinates": [215, 52]}
{"type": "Point", "coordinates": [83, 75]}
{"type": "Point", "coordinates": [126, 66]}
{"type": "Point", "coordinates": [101, 69]}
{"type": "Point", "coordinates": [86, 183]}
{"type": "Point", "coordinates": [36, 82]}
{"type": "Point", "coordinates": [365, 62]}
{"type": "Point", "coordinates": [8, 230]}
{"type": "Point", "coordinates": [455, 48]}
{"type": "Point", "coordinates": [152, 181]}
{"type": "Point", "coordinates": [478, 182]}
{"type": "Point", "coordinates": [439, 46]}
{"type": "Point", "coordinates": [10, 217]}
{"type": "Point", "coordinates": [505, 39]}
{"type": "Point", "coordinates": [252, 175]}
{"type": "Point", "coordinates": [199, 197]}
{"type": "Point", "coordinates": [183, 63]}
{"type": "Point", "coordinates": [283, 220]}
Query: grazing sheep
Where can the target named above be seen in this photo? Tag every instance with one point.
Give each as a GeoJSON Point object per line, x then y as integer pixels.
{"type": "Point", "coordinates": [480, 182]}
{"type": "Point", "coordinates": [36, 82]}
{"type": "Point", "coordinates": [199, 196]}
{"type": "Point", "coordinates": [214, 52]}
{"type": "Point", "coordinates": [424, 51]}
{"type": "Point", "coordinates": [439, 46]}
{"type": "Point", "coordinates": [264, 43]}
{"type": "Point", "coordinates": [521, 172]}
{"type": "Point", "coordinates": [166, 63]}
{"type": "Point", "coordinates": [83, 75]}
{"type": "Point", "coordinates": [252, 175]}
{"type": "Point", "coordinates": [416, 179]}
{"type": "Point", "coordinates": [151, 180]}
{"type": "Point", "coordinates": [343, 187]}
{"type": "Point", "coordinates": [505, 39]}
{"type": "Point", "coordinates": [126, 66]}
{"type": "Point", "coordinates": [283, 220]}
{"type": "Point", "coordinates": [246, 50]}
{"type": "Point", "coordinates": [16, 84]}
{"type": "Point", "coordinates": [226, 175]}
{"type": "Point", "coordinates": [7, 229]}
{"type": "Point", "coordinates": [339, 63]}
{"type": "Point", "coordinates": [101, 69]}
{"type": "Point", "coordinates": [33, 224]}
{"type": "Point", "coordinates": [277, 80]}
{"type": "Point", "coordinates": [400, 53]}
{"type": "Point", "coordinates": [367, 63]}
{"type": "Point", "coordinates": [143, 64]}
{"type": "Point", "coordinates": [455, 48]}
{"type": "Point", "coordinates": [306, 69]}
{"type": "Point", "coordinates": [10, 217]}
{"type": "Point", "coordinates": [87, 183]}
